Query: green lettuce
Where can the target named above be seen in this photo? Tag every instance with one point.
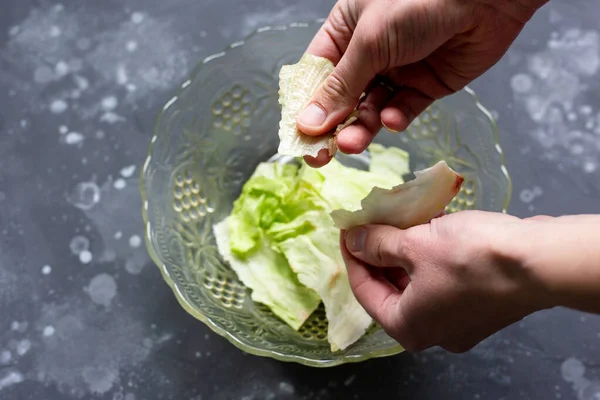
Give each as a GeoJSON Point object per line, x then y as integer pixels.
{"type": "Point", "coordinates": [281, 240]}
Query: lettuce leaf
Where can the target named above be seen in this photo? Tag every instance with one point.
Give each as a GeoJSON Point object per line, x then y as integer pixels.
{"type": "Point", "coordinates": [282, 242]}
{"type": "Point", "coordinates": [270, 278]}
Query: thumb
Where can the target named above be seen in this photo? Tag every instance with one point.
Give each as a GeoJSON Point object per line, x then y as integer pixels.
{"type": "Point", "coordinates": [338, 95]}
{"type": "Point", "coordinates": [379, 246]}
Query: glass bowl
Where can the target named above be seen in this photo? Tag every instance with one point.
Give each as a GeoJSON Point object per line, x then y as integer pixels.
{"type": "Point", "coordinates": [207, 141]}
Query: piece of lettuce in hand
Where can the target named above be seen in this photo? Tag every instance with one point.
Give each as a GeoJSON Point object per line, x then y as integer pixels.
{"type": "Point", "coordinates": [259, 205]}
{"type": "Point", "coordinates": [311, 245]}
{"type": "Point", "coordinates": [412, 203]}
{"type": "Point", "coordinates": [268, 275]}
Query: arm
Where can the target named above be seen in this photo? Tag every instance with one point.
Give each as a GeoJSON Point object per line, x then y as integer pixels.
{"type": "Point", "coordinates": [464, 276]}
{"type": "Point", "coordinates": [565, 253]}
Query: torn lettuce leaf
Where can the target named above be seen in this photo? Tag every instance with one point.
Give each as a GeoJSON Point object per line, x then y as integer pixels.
{"type": "Point", "coordinates": [297, 84]}
{"type": "Point", "coordinates": [412, 203]}
{"type": "Point", "coordinates": [270, 278]}
{"type": "Point", "coordinates": [282, 242]}
{"type": "Point", "coordinates": [314, 254]}
{"type": "Point", "coordinates": [259, 205]}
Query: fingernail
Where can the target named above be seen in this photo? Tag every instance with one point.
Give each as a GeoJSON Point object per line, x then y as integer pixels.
{"type": "Point", "coordinates": [389, 129]}
{"type": "Point", "coordinates": [355, 239]}
{"type": "Point", "coordinates": [313, 115]}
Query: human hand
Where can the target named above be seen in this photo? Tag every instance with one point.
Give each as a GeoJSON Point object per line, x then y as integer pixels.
{"type": "Point", "coordinates": [450, 283]}
{"type": "Point", "coordinates": [423, 49]}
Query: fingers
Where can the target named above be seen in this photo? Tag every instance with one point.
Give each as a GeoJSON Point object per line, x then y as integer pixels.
{"type": "Point", "coordinates": [332, 39]}
{"type": "Point", "coordinates": [358, 136]}
{"type": "Point", "coordinates": [372, 290]}
{"type": "Point", "coordinates": [338, 95]}
{"type": "Point", "coordinates": [320, 160]}
{"type": "Point", "coordinates": [378, 245]}
{"type": "Point", "coordinates": [420, 88]}
{"type": "Point", "coordinates": [404, 107]}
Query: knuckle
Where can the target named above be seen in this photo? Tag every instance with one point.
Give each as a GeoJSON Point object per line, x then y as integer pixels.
{"type": "Point", "coordinates": [336, 88]}
{"type": "Point", "coordinates": [383, 251]}
{"type": "Point", "coordinates": [337, 22]}
{"type": "Point", "coordinates": [410, 244]}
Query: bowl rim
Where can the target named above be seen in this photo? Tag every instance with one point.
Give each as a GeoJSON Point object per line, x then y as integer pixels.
{"type": "Point", "coordinates": [248, 348]}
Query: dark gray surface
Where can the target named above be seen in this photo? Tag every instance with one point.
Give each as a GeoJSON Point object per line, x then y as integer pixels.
{"type": "Point", "coordinates": [112, 329]}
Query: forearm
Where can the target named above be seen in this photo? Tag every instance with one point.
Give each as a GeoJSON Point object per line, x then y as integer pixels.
{"type": "Point", "coordinates": [564, 253]}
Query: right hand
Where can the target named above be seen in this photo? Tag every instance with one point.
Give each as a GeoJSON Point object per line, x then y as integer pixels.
{"type": "Point", "coordinates": [425, 49]}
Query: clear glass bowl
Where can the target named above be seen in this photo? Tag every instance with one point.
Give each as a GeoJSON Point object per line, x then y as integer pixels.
{"type": "Point", "coordinates": [208, 140]}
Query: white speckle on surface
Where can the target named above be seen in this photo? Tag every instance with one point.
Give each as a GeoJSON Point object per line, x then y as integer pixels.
{"type": "Point", "coordinates": [100, 135]}
{"type": "Point", "coordinates": [43, 75]}
{"type": "Point", "coordinates": [49, 331]}
{"type": "Point", "coordinates": [63, 130]}
{"type": "Point", "coordinates": [72, 138]}
{"type": "Point", "coordinates": [58, 106]}
{"type": "Point", "coordinates": [85, 257]}
{"type": "Point", "coordinates": [99, 379]}
{"type": "Point", "coordinates": [5, 357]}
{"type": "Point", "coordinates": [84, 340]}
{"type": "Point", "coordinates": [109, 103]}
{"type": "Point", "coordinates": [23, 347]}
{"type": "Point", "coordinates": [572, 370]}
{"type": "Point", "coordinates": [120, 184]}
{"type": "Point", "coordinates": [198, 354]}
{"type": "Point", "coordinates": [78, 244]}
{"type": "Point", "coordinates": [75, 94]}
{"type": "Point", "coordinates": [137, 17]}
{"type": "Point", "coordinates": [102, 289]}
{"type": "Point", "coordinates": [286, 388]}
{"type": "Point", "coordinates": [580, 49]}
{"type": "Point", "coordinates": [350, 380]}
{"type": "Point", "coordinates": [131, 46]}
{"type": "Point", "coordinates": [85, 195]}
{"type": "Point", "coordinates": [111, 118]}
{"type": "Point", "coordinates": [130, 396]}
{"type": "Point", "coordinates": [586, 109]}
{"type": "Point", "coordinates": [560, 75]}
{"type": "Point", "coordinates": [589, 167]}
{"type": "Point", "coordinates": [131, 87]}
{"type": "Point", "coordinates": [528, 195]}
{"type": "Point", "coordinates": [122, 75]}
{"type": "Point", "coordinates": [127, 172]}
{"type": "Point", "coordinates": [118, 235]}
{"type": "Point", "coordinates": [82, 83]}
{"type": "Point", "coordinates": [134, 266]}
{"type": "Point", "coordinates": [54, 31]}
{"type": "Point", "coordinates": [14, 325]}
{"type": "Point", "coordinates": [521, 83]}
{"type": "Point", "coordinates": [61, 69]}
{"type": "Point", "coordinates": [13, 31]}
{"type": "Point", "coordinates": [135, 241]}
{"type": "Point", "coordinates": [46, 269]}
{"type": "Point", "coordinates": [9, 378]}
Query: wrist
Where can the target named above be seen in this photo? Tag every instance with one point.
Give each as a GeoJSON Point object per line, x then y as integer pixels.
{"type": "Point", "coordinates": [563, 256]}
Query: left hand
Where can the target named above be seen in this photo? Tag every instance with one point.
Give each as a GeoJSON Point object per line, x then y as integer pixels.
{"type": "Point", "coordinates": [450, 283]}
